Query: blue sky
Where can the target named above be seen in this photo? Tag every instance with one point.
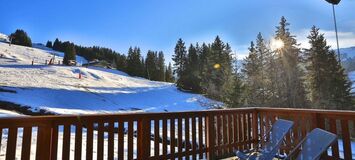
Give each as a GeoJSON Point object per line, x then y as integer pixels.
{"type": "Point", "coordinates": [157, 24]}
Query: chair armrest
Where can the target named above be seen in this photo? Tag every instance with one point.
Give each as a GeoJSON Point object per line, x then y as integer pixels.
{"type": "Point", "coordinates": [244, 156]}
{"type": "Point", "coordinates": [241, 155]}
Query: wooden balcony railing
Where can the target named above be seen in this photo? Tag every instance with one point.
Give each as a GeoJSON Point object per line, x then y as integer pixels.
{"type": "Point", "coordinates": [190, 135]}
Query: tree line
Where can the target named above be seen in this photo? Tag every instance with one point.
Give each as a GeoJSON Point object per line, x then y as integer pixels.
{"type": "Point", "coordinates": [287, 76]}
{"type": "Point", "coordinates": [20, 37]}
{"type": "Point", "coordinates": [151, 67]}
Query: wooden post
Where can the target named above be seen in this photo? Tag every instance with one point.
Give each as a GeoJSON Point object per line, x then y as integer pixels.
{"type": "Point", "coordinates": [143, 139]}
{"type": "Point", "coordinates": [210, 136]}
{"type": "Point", "coordinates": [255, 129]}
{"type": "Point", "coordinates": [44, 137]}
{"type": "Point", "coordinates": [346, 139]}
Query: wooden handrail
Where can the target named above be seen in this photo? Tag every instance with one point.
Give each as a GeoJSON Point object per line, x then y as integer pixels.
{"type": "Point", "coordinates": [206, 134]}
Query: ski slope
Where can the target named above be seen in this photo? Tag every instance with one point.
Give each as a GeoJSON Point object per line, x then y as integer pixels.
{"type": "Point", "coordinates": [4, 38]}
{"type": "Point", "coordinates": [347, 52]}
{"type": "Point", "coordinates": [59, 90]}
{"type": "Point", "coordinates": [6, 113]}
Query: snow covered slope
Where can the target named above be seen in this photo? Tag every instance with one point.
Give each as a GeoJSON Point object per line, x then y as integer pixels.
{"type": "Point", "coordinates": [79, 59]}
{"type": "Point", "coordinates": [6, 113]}
{"type": "Point", "coordinates": [4, 38]}
{"type": "Point", "coordinates": [20, 55]}
{"type": "Point", "coordinates": [348, 52]}
{"type": "Point", "coordinates": [58, 89]}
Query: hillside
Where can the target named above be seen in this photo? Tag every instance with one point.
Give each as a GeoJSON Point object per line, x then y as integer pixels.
{"type": "Point", "coordinates": [4, 38]}
{"type": "Point", "coordinates": [59, 90]}
{"type": "Point", "coordinates": [348, 52]}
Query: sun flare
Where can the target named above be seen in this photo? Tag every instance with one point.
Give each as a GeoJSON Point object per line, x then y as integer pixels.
{"type": "Point", "coordinates": [276, 44]}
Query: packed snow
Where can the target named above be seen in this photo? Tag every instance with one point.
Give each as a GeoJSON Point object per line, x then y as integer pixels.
{"type": "Point", "coordinates": [80, 60]}
{"type": "Point", "coordinates": [4, 38]}
{"type": "Point", "coordinates": [6, 113]}
{"type": "Point", "coordinates": [59, 90]}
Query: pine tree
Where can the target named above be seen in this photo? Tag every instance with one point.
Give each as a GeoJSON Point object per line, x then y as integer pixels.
{"type": "Point", "coordinates": [151, 65]}
{"type": "Point", "coordinates": [169, 77]}
{"type": "Point", "coordinates": [69, 53]}
{"type": "Point", "coordinates": [266, 61]}
{"type": "Point", "coordinates": [56, 45]}
{"type": "Point", "coordinates": [217, 76]}
{"type": "Point", "coordinates": [135, 66]}
{"type": "Point", "coordinates": [290, 80]}
{"type": "Point", "coordinates": [252, 69]}
{"type": "Point", "coordinates": [237, 96]}
{"type": "Point", "coordinates": [121, 62]}
{"type": "Point", "coordinates": [180, 60]}
{"type": "Point", "coordinates": [205, 62]}
{"type": "Point", "coordinates": [142, 68]}
{"type": "Point", "coordinates": [161, 67]}
{"type": "Point", "coordinates": [49, 44]}
{"type": "Point", "coordinates": [328, 85]}
{"type": "Point", "coordinates": [20, 37]}
{"type": "Point", "coordinates": [192, 81]}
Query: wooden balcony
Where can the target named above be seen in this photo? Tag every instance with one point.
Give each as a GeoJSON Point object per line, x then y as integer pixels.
{"type": "Point", "coordinates": [191, 135]}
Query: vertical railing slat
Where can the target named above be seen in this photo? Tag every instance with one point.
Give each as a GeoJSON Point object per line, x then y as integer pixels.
{"type": "Point", "coordinates": [78, 141]}
{"type": "Point", "coordinates": [89, 140]}
{"type": "Point", "coordinates": [130, 139]}
{"type": "Point", "coordinates": [255, 129]}
{"type": "Point", "coordinates": [303, 126]}
{"type": "Point", "coordinates": [230, 132]}
{"type": "Point", "coordinates": [143, 138]}
{"type": "Point", "coordinates": [187, 137]}
{"type": "Point", "coordinates": [11, 143]}
{"type": "Point", "coordinates": [241, 130]}
{"type": "Point", "coordinates": [225, 134]}
{"type": "Point", "coordinates": [100, 141]}
{"type": "Point", "coordinates": [44, 137]}
{"type": "Point", "coordinates": [179, 137]}
{"type": "Point", "coordinates": [165, 137]}
{"type": "Point", "coordinates": [26, 143]}
{"type": "Point", "coordinates": [235, 132]}
{"type": "Point", "coordinates": [295, 130]}
{"type": "Point", "coordinates": [262, 127]}
{"type": "Point", "coordinates": [219, 137]}
{"type": "Point", "coordinates": [156, 138]}
{"type": "Point", "coordinates": [111, 142]}
{"type": "Point", "coordinates": [66, 142]}
{"type": "Point", "coordinates": [193, 137]}
{"type": "Point", "coordinates": [245, 131]}
{"type": "Point", "coordinates": [249, 132]}
{"type": "Point", "coordinates": [200, 137]}
{"type": "Point", "coordinates": [346, 139]}
{"type": "Point", "coordinates": [210, 136]}
{"type": "Point", "coordinates": [54, 141]}
{"type": "Point", "coordinates": [172, 138]}
{"type": "Point", "coordinates": [333, 129]}
{"type": "Point", "coordinates": [120, 140]}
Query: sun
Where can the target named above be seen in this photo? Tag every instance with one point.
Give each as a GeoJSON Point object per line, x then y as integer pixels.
{"type": "Point", "coordinates": [276, 44]}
